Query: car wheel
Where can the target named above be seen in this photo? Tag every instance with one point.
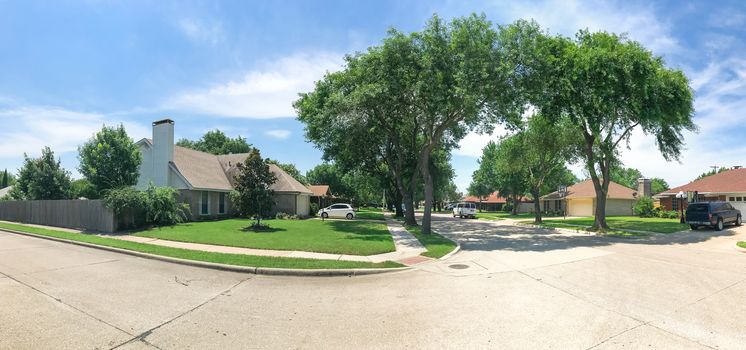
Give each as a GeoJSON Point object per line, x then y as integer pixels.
{"type": "Point", "coordinates": [349, 216]}
{"type": "Point", "coordinates": [454, 215]}
{"type": "Point", "coordinates": [324, 215]}
{"type": "Point", "coordinates": [738, 220]}
{"type": "Point", "coordinates": [719, 226]}
{"type": "Point", "coordinates": [694, 227]}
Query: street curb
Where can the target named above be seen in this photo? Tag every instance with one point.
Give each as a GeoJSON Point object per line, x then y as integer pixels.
{"type": "Point", "coordinates": [453, 252]}
{"type": "Point", "coordinates": [223, 267]}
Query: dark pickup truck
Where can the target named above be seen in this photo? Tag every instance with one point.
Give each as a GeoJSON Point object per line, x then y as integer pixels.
{"type": "Point", "coordinates": [712, 214]}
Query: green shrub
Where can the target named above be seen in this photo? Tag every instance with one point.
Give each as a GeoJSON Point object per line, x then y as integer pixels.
{"type": "Point", "coordinates": [285, 216]}
{"type": "Point", "coordinates": [154, 206]}
{"type": "Point", "coordinates": [668, 214]}
{"type": "Point", "coordinates": [644, 207]}
{"type": "Point", "coordinates": [314, 209]}
{"type": "Point", "coordinates": [508, 207]}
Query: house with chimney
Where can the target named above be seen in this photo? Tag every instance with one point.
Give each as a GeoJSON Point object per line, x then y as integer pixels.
{"type": "Point", "coordinates": [728, 186]}
{"type": "Point", "coordinates": [580, 199]}
{"type": "Point", "coordinates": [205, 180]}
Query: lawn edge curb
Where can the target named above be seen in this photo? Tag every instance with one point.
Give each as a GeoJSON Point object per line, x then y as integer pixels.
{"type": "Point", "coordinates": [452, 252]}
{"type": "Point", "coordinates": [742, 250]}
{"type": "Point", "coordinates": [223, 267]}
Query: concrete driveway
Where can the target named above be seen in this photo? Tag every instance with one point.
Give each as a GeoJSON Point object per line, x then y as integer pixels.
{"type": "Point", "coordinates": [510, 287]}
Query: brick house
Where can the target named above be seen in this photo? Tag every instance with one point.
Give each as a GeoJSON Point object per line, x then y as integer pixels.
{"type": "Point", "coordinates": [728, 186]}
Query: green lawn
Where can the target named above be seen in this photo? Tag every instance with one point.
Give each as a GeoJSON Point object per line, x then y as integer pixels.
{"type": "Point", "coordinates": [330, 236]}
{"type": "Point", "coordinates": [630, 223]}
{"type": "Point", "coordinates": [221, 258]}
{"type": "Point", "coordinates": [437, 245]}
{"type": "Point", "coordinates": [741, 244]}
{"type": "Point", "coordinates": [369, 214]}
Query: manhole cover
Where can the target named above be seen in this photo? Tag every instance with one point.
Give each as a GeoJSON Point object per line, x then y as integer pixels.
{"type": "Point", "coordinates": [459, 266]}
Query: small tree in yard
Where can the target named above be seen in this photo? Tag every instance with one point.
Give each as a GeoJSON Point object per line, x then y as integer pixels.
{"type": "Point", "coordinates": [644, 207]}
{"type": "Point", "coordinates": [253, 197]}
{"type": "Point", "coordinates": [110, 159]}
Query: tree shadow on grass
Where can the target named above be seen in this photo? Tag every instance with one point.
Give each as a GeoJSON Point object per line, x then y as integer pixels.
{"type": "Point", "coordinates": [364, 231]}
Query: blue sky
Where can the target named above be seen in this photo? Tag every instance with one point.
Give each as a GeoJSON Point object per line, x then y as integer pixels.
{"type": "Point", "coordinates": [68, 67]}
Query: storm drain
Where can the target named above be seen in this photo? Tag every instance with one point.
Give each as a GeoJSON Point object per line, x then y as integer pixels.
{"type": "Point", "coordinates": [459, 266]}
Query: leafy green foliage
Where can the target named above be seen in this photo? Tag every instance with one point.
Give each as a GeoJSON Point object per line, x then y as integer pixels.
{"type": "Point", "coordinates": [7, 179]}
{"type": "Point", "coordinates": [216, 142]}
{"type": "Point", "coordinates": [110, 159]}
{"type": "Point", "coordinates": [82, 188]}
{"type": "Point", "coordinates": [607, 86]}
{"type": "Point", "coordinates": [157, 205]}
{"type": "Point", "coordinates": [253, 196]}
{"type": "Point", "coordinates": [42, 178]}
{"type": "Point", "coordinates": [658, 185]}
{"type": "Point", "coordinates": [625, 176]}
{"type": "Point", "coordinates": [644, 207]}
{"type": "Point", "coordinates": [711, 172]}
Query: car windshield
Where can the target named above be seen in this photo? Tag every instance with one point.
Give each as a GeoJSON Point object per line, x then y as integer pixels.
{"type": "Point", "coordinates": [698, 208]}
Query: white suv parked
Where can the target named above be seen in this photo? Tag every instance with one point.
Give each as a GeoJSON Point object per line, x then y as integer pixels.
{"type": "Point", "coordinates": [465, 210]}
{"type": "Point", "coordinates": [339, 210]}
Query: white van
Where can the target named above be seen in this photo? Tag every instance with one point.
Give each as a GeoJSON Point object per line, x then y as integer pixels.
{"type": "Point", "coordinates": [465, 210]}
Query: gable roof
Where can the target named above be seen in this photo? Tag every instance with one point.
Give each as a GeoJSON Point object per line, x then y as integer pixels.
{"type": "Point", "coordinates": [319, 190]}
{"type": "Point", "coordinates": [493, 198]}
{"type": "Point", "coordinates": [733, 180]}
{"type": "Point", "coordinates": [215, 172]}
{"type": "Point", "coordinates": [585, 189]}
{"type": "Point", "coordinates": [5, 191]}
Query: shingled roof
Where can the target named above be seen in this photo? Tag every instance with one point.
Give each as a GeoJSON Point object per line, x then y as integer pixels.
{"type": "Point", "coordinates": [210, 172]}
{"type": "Point", "coordinates": [731, 181]}
{"type": "Point", "coordinates": [585, 189]}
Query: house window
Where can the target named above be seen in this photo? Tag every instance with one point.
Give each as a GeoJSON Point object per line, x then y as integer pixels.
{"type": "Point", "coordinates": [221, 203]}
{"type": "Point", "coordinates": [739, 199]}
{"type": "Point", "coordinates": [731, 199]}
{"type": "Point", "coordinates": [675, 204]}
{"type": "Point", "coordinates": [204, 203]}
{"type": "Point", "coordinates": [557, 204]}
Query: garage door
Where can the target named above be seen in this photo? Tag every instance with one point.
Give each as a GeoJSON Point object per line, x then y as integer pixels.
{"type": "Point", "coordinates": [580, 207]}
{"type": "Point", "coordinates": [619, 206]}
{"type": "Point", "coordinates": [740, 206]}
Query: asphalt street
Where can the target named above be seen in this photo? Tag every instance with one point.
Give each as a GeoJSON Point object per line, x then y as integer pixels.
{"type": "Point", "coordinates": [510, 288]}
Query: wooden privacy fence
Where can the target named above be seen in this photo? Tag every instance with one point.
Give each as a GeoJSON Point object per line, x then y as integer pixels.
{"type": "Point", "coordinates": [82, 214]}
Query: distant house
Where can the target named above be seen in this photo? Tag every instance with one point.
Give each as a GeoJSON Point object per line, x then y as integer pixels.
{"type": "Point", "coordinates": [5, 191]}
{"type": "Point", "coordinates": [580, 199]}
{"type": "Point", "coordinates": [728, 186]}
{"type": "Point", "coordinates": [320, 195]}
{"type": "Point", "coordinates": [495, 202]}
{"type": "Point", "coordinates": [205, 180]}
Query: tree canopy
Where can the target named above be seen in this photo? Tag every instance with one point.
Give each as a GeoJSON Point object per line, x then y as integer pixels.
{"type": "Point", "coordinates": [42, 178]}
{"type": "Point", "coordinates": [110, 159]}
{"type": "Point", "coordinates": [253, 197]}
{"type": "Point", "coordinates": [608, 86]}
{"type": "Point", "coordinates": [216, 142]}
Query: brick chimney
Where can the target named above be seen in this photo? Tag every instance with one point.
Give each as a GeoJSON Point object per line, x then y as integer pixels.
{"type": "Point", "coordinates": [644, 188]}
{"type": "Point", "coordinates": [163, 150]}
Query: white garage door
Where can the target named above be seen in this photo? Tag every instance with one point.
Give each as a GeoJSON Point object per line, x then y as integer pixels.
{"type": "Point", "coordinates": [740, 206]}
{"type": "Point", "coordinates": [580, 207]}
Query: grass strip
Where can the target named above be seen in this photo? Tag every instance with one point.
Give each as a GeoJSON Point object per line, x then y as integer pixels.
{"type": "Point", "coordinates": [437, 246]}
{"type": "Point", "coordinates": [741, 244]}
{"type": "Point", "coordinates": [220, 258]}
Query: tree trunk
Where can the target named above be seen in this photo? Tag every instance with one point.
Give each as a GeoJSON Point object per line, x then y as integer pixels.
{"type": "Point", "coordinates": [408, 198]}
{"type": "Point", "coordinates": [599, 222]}
{"type": "Point", "coordinates": [515, 205]}
{"type": "Point", "coordinates": [426, 216]}
{"type": "Point", "coordinates": [537, 206]}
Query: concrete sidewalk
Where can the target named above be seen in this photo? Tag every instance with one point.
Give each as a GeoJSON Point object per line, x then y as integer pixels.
{"type": "Point", "coordinates": [408, 248]}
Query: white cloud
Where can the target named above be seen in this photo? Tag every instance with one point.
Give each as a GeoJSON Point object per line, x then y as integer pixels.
{"type": "Point", "coordinates": [473, 143]}
{"type": "Point", "coordinates": [265, 92]}
{"type": "Point", "coordinates": [28, 129]}
{"type": "Point", "coordinates": [567, 17]}
{"type": "Point", "coordinates": [201, 31]}
{"type": "Point", "coordinates": [278, 134]}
